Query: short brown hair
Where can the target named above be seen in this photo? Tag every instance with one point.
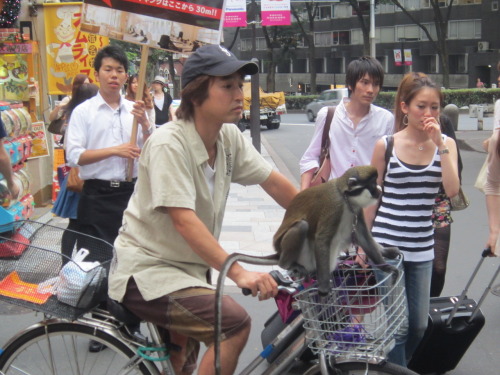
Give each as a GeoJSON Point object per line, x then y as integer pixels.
{"type": "Point", "coordinates": [195, 92]}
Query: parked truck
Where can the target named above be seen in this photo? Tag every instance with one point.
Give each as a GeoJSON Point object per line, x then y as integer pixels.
{"type": "Point", "coordinates": [272, 106]}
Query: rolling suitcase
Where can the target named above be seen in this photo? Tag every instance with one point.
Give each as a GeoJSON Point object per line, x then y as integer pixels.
{"type": "Point", "coordinates": [454, 323]}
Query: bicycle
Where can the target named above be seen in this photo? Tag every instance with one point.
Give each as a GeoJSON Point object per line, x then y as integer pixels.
{"type": "Point", "coordinates": [58, 344]}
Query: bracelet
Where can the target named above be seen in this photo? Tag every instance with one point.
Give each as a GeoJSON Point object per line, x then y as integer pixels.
{"type": "Point", "coordinates": [149, 131]}
{"type": "Point", "coordinates": [443, 151]}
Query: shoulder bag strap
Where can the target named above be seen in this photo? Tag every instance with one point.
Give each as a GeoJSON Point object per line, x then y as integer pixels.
{"type": "Point", "coordinates": [388, 151]}
{"type": "Point", "coordinates": [325, 140]}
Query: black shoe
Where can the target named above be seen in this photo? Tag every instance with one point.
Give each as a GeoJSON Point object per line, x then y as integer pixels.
{"type": "Point", "coordinates": [96, 346]}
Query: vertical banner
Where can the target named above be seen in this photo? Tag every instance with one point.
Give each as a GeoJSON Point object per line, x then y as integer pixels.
{"type": "Point", "coordinates": [398, 58]}
{"type": "Point", "coordinates": [174, 25]}
{"type": "Point", "coordinates": [408, 58]}
{"type": "Point", "coordinates": [275, 12]}
{"type": "Point", "coordinates": [70, 51]}
{"type": "Point", "coordinates": [235, 13]}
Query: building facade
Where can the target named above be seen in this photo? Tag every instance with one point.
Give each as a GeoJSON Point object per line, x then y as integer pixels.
{"type": "Point", "coordinates": [473, 45]}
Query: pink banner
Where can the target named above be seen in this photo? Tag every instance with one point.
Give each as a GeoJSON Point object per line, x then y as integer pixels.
{"type": "Point", "coordinates": [235, 13]}
{"type": "Point", "coordinates": [398, 58]}
{"type": "Point", "coordinates": [275, 12]}
{"type": "Point", "coordinates": [235, 19]}
{"type": "Point", "coordinates": [275, 18]}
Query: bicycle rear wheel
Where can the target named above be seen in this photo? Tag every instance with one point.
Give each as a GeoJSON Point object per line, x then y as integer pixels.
{"type": "Point", "coordinates": [62, 348]}
{"type": "Point", "coordinates": [358, 368]}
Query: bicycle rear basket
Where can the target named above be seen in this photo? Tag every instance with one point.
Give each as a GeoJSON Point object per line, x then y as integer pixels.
{"type": "Point", "coordinates": [358, 319]}
{"type": "Point", "coordinates": [30, 269]}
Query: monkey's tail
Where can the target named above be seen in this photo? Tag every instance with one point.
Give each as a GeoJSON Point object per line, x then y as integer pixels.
{"type": "Point", "coordinates": [269, 260]}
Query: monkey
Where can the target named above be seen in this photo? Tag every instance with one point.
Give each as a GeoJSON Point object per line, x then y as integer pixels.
{"type": "Point", "coordinates": [322, 221]}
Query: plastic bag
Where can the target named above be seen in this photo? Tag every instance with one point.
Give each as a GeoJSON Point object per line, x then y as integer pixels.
{"type": "Point", "coordinates": [79, 283]}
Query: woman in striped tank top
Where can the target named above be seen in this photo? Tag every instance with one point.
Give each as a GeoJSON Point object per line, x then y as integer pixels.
{"type": "Point", "coordinates": [422, 159]}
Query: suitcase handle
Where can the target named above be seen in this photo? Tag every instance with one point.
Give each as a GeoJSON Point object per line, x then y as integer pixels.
{"type": "Point", "coordinates": [485, 253]}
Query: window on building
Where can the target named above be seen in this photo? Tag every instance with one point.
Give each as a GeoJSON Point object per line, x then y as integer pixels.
{"type": "Point", "coordinates": [465, 29]}
{"type": "Point", "coordinates": [385, 8]}
{"type": "Point", "coordinates": [342, 11]}
{"type": "Point", "coordinates": [430, 63]}
{"type": "Point", "coordinates": [364, 8]}
{"type": "Point", "coordinates": [261, 44]}
{"type": "Point", "coordinates": [320, 65]}
{"type": "Point", "coordinates": [283, 67]}
{"type": "Point", "coordinates": [356, 36]}
{"type": "Point", "coordinates": [245, 44]}
{"type": "Point", "coordinates": [323, 39]}
{"type": "Point", "coordinates": [385, 34]}
{"type": "Point", "coordinates": [407, 32]}
{"type": "Point", "coordinates": [300, 66]}
{"type": "Point", "coordinates": [341, 37]}
{"type": "Point", "coordinates": [431, 28]}
{"type": "Point", "coordinates": [458, 64]}
{"type": "Point", "coordinates": [324, 12]}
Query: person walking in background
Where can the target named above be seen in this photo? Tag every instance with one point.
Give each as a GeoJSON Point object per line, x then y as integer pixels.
{"type": "Point", "coordinates": [98, 141]}
{"type": "Point", "coordinates": [479, 84]}
{"type": "Point", "coordinates": [421, 160]}
{"type": "Point", "coordinates": [57, 112]}
{"type": "Point", "coordinates": [492, 185]}
{"type": "Point", "coordinates": [496, 114]}
{"type": "Point", "coordinates": [162, 101]}
{"type": "Point", "coordinates": [66, 203]}
{"type": "Point", "coordinates": [442, 220]}
{"type": "Point", "coordinates": [356, 125]}
{"type": "Point", "coordinates": [130, 93]}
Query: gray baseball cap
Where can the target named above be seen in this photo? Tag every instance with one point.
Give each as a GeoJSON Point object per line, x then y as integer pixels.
{"type": "Point", "coordinates": [214, 60]}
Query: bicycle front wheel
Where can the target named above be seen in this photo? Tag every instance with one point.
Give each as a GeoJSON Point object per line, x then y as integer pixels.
{"type": "Point", "coordinates": [358, 368]}
{"type": "Point", "coordinates": [62, 349]}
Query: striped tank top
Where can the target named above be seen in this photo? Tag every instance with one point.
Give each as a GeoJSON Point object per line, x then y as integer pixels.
{"type": "Point", "coordinates": [404, 215]}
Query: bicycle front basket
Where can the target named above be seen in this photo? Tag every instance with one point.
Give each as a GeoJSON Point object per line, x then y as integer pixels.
{"type": "Point", "coordinates": [358, 318]}
{"type": "Point", "coordinates": [36, 262]}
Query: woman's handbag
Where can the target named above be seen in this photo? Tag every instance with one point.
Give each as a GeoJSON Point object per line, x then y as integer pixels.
{"type": "Point", "coordinates": [74, 183]}
{"type": "Point", "coordinates": [481, 177]}
{"type": "Point", "coordinates": [459, 201]}
{"type": "Point", "coordinates": [322, 174]}
{"type": "Point", "coordinates": [56, 126]}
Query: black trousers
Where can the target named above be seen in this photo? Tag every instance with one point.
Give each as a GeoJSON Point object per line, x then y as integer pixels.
{"type": "Point", "coordinates": [101, 207]}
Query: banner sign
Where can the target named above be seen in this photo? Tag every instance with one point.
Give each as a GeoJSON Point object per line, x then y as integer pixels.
{"type": "Point", "coordinates": [235, 13]}
{"type": "Point", "coordinates": [398, 58]}
{"type": "Point", "coordinates": [408, 58]}
{"type": "Point", "coordinates": [70, 51]}
{"type": "Point", "coordinates": [174, 25]}
{"type": "Point", "coordinates": [275, 12]}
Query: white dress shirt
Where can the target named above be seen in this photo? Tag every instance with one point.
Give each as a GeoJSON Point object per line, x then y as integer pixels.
{"type": "Point", "coordinates": [95, 125]}
{"type": "Point", "coordinates": [349, 146]}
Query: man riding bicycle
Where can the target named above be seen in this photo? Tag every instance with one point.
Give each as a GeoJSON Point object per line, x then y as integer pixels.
{"type": "Point", "coordinates": [168, 241]}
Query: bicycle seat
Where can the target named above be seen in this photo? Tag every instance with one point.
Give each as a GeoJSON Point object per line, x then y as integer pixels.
{"type": "Point", "coordinates": [121, 313]}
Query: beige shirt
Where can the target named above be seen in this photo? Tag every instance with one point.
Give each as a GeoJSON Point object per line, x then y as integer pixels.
{"type": "Point", "coordinates": [171, 174]}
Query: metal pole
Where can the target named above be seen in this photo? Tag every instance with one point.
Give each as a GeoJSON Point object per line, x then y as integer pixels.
{"type": "Point", "coordinates": [255, 104]}
{"type": "Point", "coordinates": [373, 52]}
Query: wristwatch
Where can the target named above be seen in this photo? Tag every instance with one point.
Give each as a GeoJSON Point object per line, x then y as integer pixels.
{"type": "Point", "coordinates": [443, 151]}
{"type": "Point", "coordinates": [149, 131]}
